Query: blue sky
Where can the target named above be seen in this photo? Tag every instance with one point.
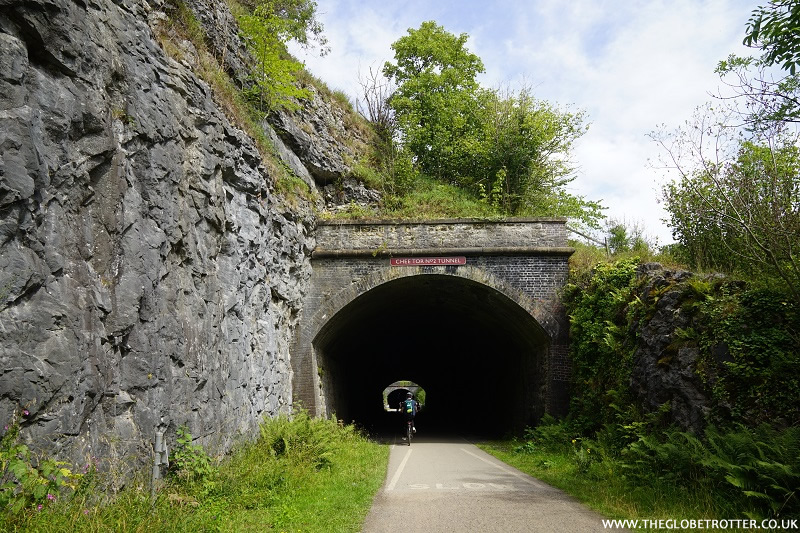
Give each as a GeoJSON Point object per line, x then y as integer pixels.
{"type": "Point", "coordinates": [630, 65]}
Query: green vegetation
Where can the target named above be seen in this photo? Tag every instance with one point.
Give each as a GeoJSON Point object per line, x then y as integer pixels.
{"type": "Point", "coordinates": [746, 336]}
{"type": "Point", "coordinates": [301, 474]}
{"type": "Point", "coordinates": [427, 199]}
{"type": "Point", "coordinates": [629, 460]}
{"type": "Point", "coordinates": [773, 29]}
{"type": "Point", "coordinates": [277, 82]}
{"type": "Point", "coordinates": [23, 484]}
{"type": "Point", "coordinates": [506, 153]}
{"type": "Point", "coordinates": [734, 207]}
{"type": "Point", "coordinates": [267, 25]}
{"type": "Point", "coordinates": [435, 104]}
{"type": "Point", "coordinates": [183, 25]}
{"type": "Point", "coordinates": [739, 473]}
{"type": "Point", "coordinates": [735, 210]}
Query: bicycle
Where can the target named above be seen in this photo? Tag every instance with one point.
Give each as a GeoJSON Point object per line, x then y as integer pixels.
{"type": "Point", "coordinates": [409, 408]}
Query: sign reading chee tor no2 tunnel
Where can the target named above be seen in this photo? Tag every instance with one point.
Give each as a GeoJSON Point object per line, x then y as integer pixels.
{"type": "Point", "coordinates": [427, 261]}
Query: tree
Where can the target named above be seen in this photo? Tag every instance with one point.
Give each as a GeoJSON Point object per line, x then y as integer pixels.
{"type": "Point", "coordinates": [768, 97]}
{"type": "Point", "coordinates": [374, 104]}
{"type": "Point", "coordinates": [775, 29]}
{"type": "Point", "coordinates": [436, 100]}
{"type": "Point", "coordinates": [736, 204]}
{"type": "Point", "coordinates": [266, 29]}
{"type": "Point", "coordinates": [524, 156]}
{"type": "Point", "coordinates": [509, 149]}
{"type": "Point", "coordinates": [760, 101]}
{"type": "Point", "coordinates": [624, 237]}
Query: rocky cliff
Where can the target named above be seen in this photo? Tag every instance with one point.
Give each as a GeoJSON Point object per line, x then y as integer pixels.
{"type": "Point", "coordinates": [149, 276]}
{"type": "Point", "coordinates": [664, 371]}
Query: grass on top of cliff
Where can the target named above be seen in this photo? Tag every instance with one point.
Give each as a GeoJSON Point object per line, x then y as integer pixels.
{"type": "Point", "coordinates": [303, 474]}
{"type": "Point", "coordinates": [428, 199]}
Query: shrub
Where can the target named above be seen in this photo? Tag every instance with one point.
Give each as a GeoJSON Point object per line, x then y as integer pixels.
{"type": "Point", "coordinates": [600, 344]}
{"type": "Point", "coordinates": [672, 456]}
{"type": "Point", "coordinates": [25, 482]}
{"type": "Point", "coordinates": [550, 434]}
{"type": "Point", "coordinates": [301, 439]}
{"type": "Point", "coordinates": [761, 466]}
{"type": "Point", "coordinates": [190, 463]}
{"type": "Point", "coordinates": [748, 339]}
{"type": "Point", "coordinates": [756, 469]}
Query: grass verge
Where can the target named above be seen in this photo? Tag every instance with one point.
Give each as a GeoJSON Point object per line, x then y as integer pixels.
{"type": "Point", "coordinates": [301, 475]}
{"type": "Point", "coordinates": [601, 486]}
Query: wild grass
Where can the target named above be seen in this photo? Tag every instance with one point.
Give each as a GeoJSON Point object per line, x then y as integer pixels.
{"type": "Point", "coordinates": [434, 199]}
{"type": "Point", "coordinates": [427, 199]}
{"type": "Point", "coordinates": [637, 472]}
{"type": "Point", "coordinates": [302, 474]}
{"type": "Point", "coordinates": [602, 487]}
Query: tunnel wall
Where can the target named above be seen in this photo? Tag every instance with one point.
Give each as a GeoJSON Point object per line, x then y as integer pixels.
{"type": "Point", "coordinates": [525, 260]}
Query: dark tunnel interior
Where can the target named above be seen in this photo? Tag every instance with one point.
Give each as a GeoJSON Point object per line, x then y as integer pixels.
{"type": "Point", "coordinates": [478, 355]}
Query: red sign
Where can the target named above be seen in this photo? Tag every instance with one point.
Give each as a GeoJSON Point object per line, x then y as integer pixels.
{"type": "Point", "coordinates": [427, 261]}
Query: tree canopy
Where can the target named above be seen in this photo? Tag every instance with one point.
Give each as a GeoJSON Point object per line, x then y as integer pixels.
{"type": "Point", "coordinates": [267, 27]}
{"type": "Point", "coordinates": [736, 204]}
{"type": "Point", "coordinates": [508, 149]}
{"type": "Point", "coordinates": [775, 29]}
{"type": "Point", "coordinates": [436, 101]}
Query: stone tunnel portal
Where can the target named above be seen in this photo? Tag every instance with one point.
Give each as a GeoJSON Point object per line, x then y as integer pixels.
{"type": "Point", "coordinates": [478, 354]}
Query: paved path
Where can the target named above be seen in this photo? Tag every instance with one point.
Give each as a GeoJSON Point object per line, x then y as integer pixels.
{"type": "Point", "coordinates": [454, 486]}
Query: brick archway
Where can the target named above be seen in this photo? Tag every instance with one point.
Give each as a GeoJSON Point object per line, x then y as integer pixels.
{"type": "Point", "coordinates": [519, 280]}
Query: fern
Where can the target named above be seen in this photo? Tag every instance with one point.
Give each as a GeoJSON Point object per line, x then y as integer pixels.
{"type": "Point", "coordinates": [303, 439]}
{"type": "Point", "coordinates": [763, 465]}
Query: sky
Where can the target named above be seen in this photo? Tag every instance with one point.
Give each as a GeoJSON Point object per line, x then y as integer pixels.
{"type": "Point", "coordinates": [630, 65]}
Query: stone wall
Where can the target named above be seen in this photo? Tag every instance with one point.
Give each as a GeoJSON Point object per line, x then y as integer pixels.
{"type": "Point", "coordinates": [428, 236]}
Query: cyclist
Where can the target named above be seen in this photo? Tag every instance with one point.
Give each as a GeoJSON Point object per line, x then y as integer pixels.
{"type": "Point", "coordinates": [409, 408]}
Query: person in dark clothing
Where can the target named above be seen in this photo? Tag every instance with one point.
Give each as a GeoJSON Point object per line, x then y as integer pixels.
{"type": "Point", "coordinates": [409, 407]}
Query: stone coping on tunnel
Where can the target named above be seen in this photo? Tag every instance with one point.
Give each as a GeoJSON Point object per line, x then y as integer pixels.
{"type": "Point", "coordinates": [418, 252]}
{"type": "Point", "coordinates": [461, 236]}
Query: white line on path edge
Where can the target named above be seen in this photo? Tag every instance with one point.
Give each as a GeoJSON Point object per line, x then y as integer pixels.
{"type": "Point", "coordinates": [524, 478]}
{"type": "Point", "coordinates": [399, 471]}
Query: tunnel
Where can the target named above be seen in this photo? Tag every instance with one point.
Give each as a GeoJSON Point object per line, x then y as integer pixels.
{"type": "Point", "coordinates": [479, 356]}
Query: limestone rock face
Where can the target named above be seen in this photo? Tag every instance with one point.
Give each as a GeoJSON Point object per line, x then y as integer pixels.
{"type": "Point", "coordinates": [318, 134]}
{"type": "Point", "coordinates": [149, 278]}
{"type": "Point", "coordinates": [664, 369]}
{"type": "Point", "coordinates": [347, 192]}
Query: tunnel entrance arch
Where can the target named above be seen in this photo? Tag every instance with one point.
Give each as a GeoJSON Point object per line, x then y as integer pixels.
{"type": "Point", "coordinates": [397, 392]}
{"type": "Point", "coordinates": [474, 303]}
{"type": "Point", "coordinates": [481, 355]}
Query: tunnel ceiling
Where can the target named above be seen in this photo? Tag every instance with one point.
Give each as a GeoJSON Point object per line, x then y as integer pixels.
{"type": "Point", "coordinates": [456, 338]}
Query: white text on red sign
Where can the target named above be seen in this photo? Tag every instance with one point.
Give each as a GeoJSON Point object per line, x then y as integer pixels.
{"type": "Point", "coordinates": [427, 261]}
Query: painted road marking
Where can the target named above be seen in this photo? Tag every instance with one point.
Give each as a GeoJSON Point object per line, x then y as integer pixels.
{"type": "Point", "coordinates": [468, 486]}
{"type": "Point", "coordinates": [524, 478]}
{"type": "Point", "coordinates": [399, 471]}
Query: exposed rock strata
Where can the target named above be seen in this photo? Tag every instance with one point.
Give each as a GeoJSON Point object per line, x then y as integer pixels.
{"type": "Point", "coordinates": [664, 367]}
{"type": "Point", "coordinates": [319, 132]}
{"type": "Point", "coordinates": [149, 278]}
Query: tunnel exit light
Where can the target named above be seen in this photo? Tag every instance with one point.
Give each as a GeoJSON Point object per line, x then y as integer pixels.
{"type": "Point", "coordinates": [427, 261]}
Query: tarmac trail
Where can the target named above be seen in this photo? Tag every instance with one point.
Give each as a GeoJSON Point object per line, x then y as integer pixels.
{"type": "Point", "coordinates": [454, 486]}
